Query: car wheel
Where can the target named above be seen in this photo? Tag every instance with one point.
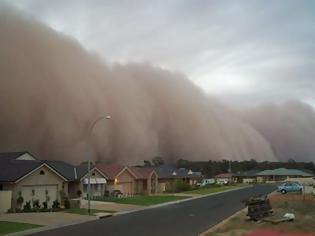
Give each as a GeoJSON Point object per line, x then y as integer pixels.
{"type": "Point", "coordinates": [283, 191]}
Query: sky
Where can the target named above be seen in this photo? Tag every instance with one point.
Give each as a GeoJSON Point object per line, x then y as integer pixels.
{"type": "Point", "coordinates": [243, 52]}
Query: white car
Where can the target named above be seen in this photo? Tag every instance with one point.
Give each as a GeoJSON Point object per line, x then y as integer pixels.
{"type": "Point", "coordinates": [206, 182]}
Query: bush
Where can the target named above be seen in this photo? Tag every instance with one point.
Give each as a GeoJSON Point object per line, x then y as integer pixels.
{"type": "Point", "coordinates": [67, 203]}
{"type": "Point", "coordinates": [20, 199]}
{"type": "Point", "coordinates": [181, 186]}
{"type": "Point", "coordinates": [55, 204]}
{"type": "Point", "coordinates": [79, 193]}
{"type": "Point", "coordinates": [36, 204]}
{"type": "Point", "coordinates": [27, 206]}
{"type": "Point", "coordinates": [45, 205]}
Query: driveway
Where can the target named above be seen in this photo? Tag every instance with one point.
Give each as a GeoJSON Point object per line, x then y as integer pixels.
{"type": "Point", "coordinates": [46, 218]}
{"type": "Point", "coordinates": [186, 218]}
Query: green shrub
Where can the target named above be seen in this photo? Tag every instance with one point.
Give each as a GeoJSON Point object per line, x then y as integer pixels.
{"type": "Point", "coordinates": [55, 204]}
{"type": "Point", "coordinates": [27, 206]}
{"type": "Point", "coordinates": [20, 199]}
{"type": "Point", "coordinates": [181, 186]}
{"type": "Point", "coordinates": [45, 205]}
{"type": "Point", "coordinates": [170, 187]}
{"type": "Point", "coordinates": [36, 203]}
{"type": "Point", "coordinates": [67, 203]}
{"type": "Point", "coordinates": [79, 193]}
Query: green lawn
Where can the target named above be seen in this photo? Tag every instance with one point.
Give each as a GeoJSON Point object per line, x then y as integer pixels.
{"type": "Point", "coordinates": [143, 200]}
{"type": "Point", "coordinates": [208, 190]}
{"type": "Point", "coordinates": [84, 211]}
{"type": "Point", "coordinates": [7, 227]}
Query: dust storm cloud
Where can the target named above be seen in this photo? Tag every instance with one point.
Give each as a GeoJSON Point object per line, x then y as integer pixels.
{"type": "Point", "coordinates": [289, 128]}
{"type": "Point", "coordinates": [52, 89]}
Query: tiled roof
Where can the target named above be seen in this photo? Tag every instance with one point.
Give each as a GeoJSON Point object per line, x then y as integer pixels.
{"type": "Point", "coordinates": [142, 172]}
{"type": "Point", "coordinates": [10, 155]}
{"type": "Point", "coordinates": [168, 172]}
{"type": "Point", "coordinates": [110, 170]}
{"type": "Point", "coordinates": [12, 169]}
{"type": "Point", "coordinates": [249, 173]}
{"type": "Point", "coordinates": [283, 172]}
{"type": "Point", "coordinates": [63, 168]}
{"type": "Point", "coordinates": [224, 175]}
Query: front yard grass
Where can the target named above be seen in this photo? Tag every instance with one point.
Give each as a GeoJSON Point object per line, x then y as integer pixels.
{"type": "Point", "coordinates": [84, 211]}
{"type": "Point", "coordinates": [142, 200]}
{"type": "Point", "coordinates": [208, 190]}
{"type": "Point", "coordinates": [7, 227]}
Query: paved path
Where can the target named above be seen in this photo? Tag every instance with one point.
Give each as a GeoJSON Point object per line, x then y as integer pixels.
{"type": "Point", "coordinates": [186, 218]}
{"type": "Point", "coordinates": [110, 206]}
{"type": "Point", "coordinates": [46, 218]}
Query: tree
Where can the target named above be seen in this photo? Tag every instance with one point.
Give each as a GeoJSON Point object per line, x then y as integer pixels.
{"type": "Point", "coordinates": [158, 161]}
{"type": "Point", "coordinates": [147, 163]}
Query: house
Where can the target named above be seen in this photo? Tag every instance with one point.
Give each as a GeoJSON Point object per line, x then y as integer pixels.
{"type": "Point", "coordinates": [23, 175]}
{"type": "Point", "coordinates": [280, 174]}
{"type": "Point", "coordinates": [168, 175]}
{"type": "Point", "coordinates": [119, 177]}
{"type": "Point", "coordinates": [77, 178]}
{"type": "Point", "coordinates": [224, 178]}
{"type": "Point", "coordinates": [246, 176]}
{"type": "Point", "coordinates": [146, 181]}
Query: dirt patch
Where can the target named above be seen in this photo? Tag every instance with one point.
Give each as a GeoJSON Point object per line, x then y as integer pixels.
{"type": "Point", "coordinates": [301, 206]}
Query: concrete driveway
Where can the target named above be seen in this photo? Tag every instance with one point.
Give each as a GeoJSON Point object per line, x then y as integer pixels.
{"type": "Point", "coordinates": [46, 218]}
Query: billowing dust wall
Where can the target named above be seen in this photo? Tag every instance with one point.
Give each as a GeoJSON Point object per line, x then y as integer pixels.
{"type": "Point", "coordinates": [52, 89]}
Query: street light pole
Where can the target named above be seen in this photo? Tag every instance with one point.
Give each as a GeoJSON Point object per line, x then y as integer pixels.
{"type": "Point", "coordinates": [89, 161]}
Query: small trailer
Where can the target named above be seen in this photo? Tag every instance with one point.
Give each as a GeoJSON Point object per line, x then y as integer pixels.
{"type": "Point", "coordinates": [258, 207]}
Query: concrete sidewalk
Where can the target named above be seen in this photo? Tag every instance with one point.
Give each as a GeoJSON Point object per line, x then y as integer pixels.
{"type": "Point", "coordinates": [46, 218]}
{"type": "Point", "coordinates": [110, 206]}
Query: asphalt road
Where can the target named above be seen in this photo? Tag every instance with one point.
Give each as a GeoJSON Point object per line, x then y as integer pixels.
{"type": "Point", "coordinates": [186, 218]}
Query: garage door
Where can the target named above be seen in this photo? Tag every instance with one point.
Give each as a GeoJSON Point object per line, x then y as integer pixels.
{"type": "Point", "coordinates": [126, 187]}
{"type": "Point", "coordinates": [40, 192]}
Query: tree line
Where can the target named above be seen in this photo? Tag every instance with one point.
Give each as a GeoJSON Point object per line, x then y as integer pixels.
{"type": "Point", "coordinates": [211, 168]}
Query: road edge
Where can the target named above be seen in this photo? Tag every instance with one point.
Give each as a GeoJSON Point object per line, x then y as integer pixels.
{"type": "Point", "coordinates": [180, 201]}
{"type": "Point", "coordinates": [223, 222]}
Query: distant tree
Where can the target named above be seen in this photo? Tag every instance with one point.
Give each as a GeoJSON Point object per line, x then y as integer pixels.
{"type": "Point", "coordinates": [158, 161]}
{"type": "Point", "coordinates": [147, 163]}
{"type": "Point", "coordinates": [181, 163]}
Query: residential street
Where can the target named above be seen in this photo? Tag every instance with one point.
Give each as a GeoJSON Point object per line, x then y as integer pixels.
{"type": "Point", "coordinates": [187, 218]}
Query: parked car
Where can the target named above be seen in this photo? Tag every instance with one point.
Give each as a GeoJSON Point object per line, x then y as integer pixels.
{"type": "Point", "coordinates": [290, 187]}
{"type": "Point", "coordinates": [206, 182]}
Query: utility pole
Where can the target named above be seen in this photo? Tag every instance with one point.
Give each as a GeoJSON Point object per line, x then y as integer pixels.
{"type": "Point", "coordinates": [89, 161]}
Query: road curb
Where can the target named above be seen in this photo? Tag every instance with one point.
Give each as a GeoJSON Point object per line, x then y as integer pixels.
{"type": "Point", "coordinates": [223, 222]}
{"type": "Point", "coordinates": [179, 201]}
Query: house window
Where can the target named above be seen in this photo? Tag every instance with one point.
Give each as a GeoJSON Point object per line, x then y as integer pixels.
{"type": "Point", "coordinates": [93, 173]}
{"type": "Point", "coordinates": [1, 187]}
{"type": "Point", "coordinates": [42, 172]}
